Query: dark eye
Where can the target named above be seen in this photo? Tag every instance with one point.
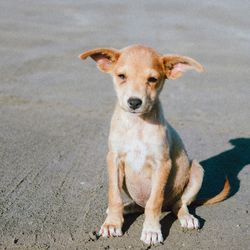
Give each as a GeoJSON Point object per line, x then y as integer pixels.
{"type": "Point", "coordinates": [122, 76]}
{"type": "Point", "coordinates": [152, 79]}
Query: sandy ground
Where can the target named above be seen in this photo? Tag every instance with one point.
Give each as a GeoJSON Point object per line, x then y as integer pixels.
{"type": "Point", "coordinates": [55, 112]}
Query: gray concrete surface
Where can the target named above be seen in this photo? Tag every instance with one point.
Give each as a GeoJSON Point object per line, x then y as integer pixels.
{"type": "Point", "coordinates": [55, 112]}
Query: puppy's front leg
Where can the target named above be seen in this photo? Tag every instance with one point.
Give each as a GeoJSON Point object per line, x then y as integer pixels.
{"type": "Point", "coordinates": [151, 232]}
{"type": "Point", "coordinates": [113, 223]}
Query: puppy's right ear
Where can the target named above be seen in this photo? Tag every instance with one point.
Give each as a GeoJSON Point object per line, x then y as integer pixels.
{"type": "Point", "coordinates": [105, 58]}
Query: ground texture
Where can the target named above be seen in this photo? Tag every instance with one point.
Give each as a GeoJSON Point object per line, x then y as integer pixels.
{"type": "Point", "coordinates": [55, 112]}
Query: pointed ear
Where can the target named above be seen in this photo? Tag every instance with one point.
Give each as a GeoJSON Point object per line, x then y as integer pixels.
{"type": "Point", "coordinates": [176, 65]}
{"type": "Point", "coordinates": [105, 58]}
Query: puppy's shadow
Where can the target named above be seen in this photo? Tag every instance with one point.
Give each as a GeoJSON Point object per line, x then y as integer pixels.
{"type": "Point", "coordinates": [166, 223]}
{"type": "Point", "coordinates": [228, 163]}
{"type": "Point", "coordinates": [129, 219]}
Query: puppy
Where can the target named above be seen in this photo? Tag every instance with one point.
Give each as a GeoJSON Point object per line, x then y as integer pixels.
{"type": "Point", "coordinates": [146, 156]}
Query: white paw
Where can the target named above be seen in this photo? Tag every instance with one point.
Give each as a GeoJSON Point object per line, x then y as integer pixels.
{"type": "Point", "coordinates": [189, 221]}
{"type": "Point", "coordinates": [151, 237]}
{"type": "Point", "coordinates": [110, 231]}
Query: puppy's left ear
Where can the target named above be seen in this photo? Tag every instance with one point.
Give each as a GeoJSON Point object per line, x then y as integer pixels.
{"type": "Point", "coordinates": [105, 57]}
{"type": "Point", "coordinates": [176, 65]}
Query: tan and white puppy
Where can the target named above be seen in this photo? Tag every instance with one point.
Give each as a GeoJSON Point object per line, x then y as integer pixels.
{"type": "Point", "coordinates": [146, 156]}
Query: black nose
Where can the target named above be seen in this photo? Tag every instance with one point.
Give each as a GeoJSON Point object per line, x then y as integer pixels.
{"type": "Point", "coordinates": [134, 103]}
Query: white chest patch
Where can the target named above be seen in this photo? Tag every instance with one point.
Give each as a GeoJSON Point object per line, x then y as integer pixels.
{"type": "Point", "coordinates": [136, 153]}
{"type": "Point", "coordinates": [135, 146]}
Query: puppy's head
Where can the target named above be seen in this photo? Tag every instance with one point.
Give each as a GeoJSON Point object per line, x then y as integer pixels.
{"type": "Point", "coordinates": [139, 73]}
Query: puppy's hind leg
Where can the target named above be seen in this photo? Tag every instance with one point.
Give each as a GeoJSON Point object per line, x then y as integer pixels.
{"type": "Point", "coordinates": [180, 208]}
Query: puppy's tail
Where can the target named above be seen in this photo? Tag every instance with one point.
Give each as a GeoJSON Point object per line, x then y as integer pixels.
{"type": "Point", "coordinates": [217, 198]}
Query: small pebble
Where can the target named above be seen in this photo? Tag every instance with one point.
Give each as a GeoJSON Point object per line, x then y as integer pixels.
{"type": "Point", "coordinates": [93, 236]}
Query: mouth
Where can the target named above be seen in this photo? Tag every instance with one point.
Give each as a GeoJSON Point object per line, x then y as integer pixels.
{"type": "Point", "coordinates": [145, 110]}
{"type": "Point", "coordinates": [135, 112]}
{"type": "Point", "coordinates": [132, 111]}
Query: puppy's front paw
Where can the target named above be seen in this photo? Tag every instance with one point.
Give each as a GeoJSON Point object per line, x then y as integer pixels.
{"type": "Point", "coordinates": [189, 221]}
{"type": "Point", "coordinates": [111, 227]}
{"type": "Point", "coordinates": [109, 230]}
{"type": "Point", "coordinates": [151, 235]}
